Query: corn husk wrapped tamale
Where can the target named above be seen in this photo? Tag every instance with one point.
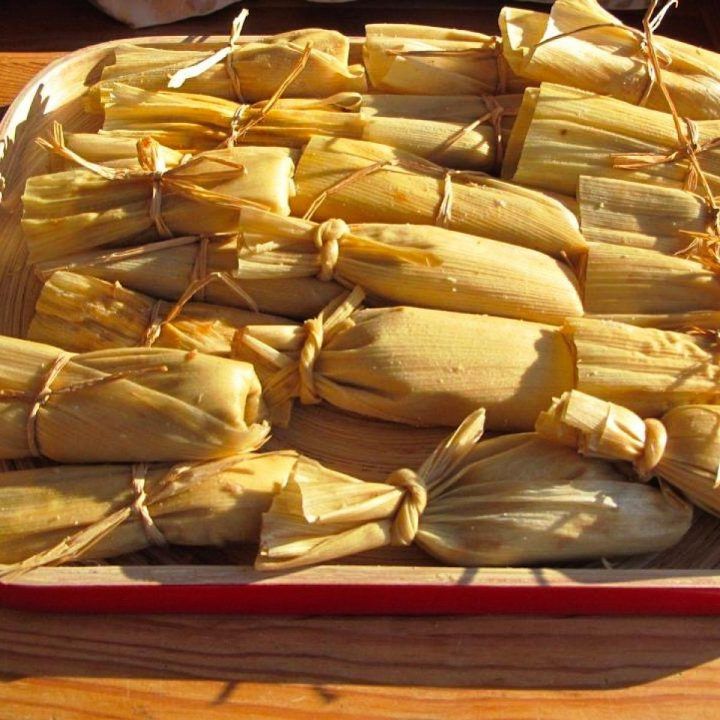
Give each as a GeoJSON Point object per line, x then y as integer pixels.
{"type": "Point", "coordinates": [639, 215]}
{"type": "Point", "coordinates": [81, 313]}
{"type": "Point", "coordinates": [411, 365]}
{"type": "Point", "coordinates": [512, 500]}
{"type": "Point", "coordinates": [68, 212]}
{"type": "Point", "coordinates": [563, 133]}
{"type": "Point", "coordinates": [417, 265]}
{"type": "Point", "coordinates": [165, 269]}
{"type": "Point", "coordinates": [123, 405]}
{"type": "Point", "coordinates": [682, 447]}
{"type": "Point", "coordinates": [608, 60]}
{"type": "Point", "coordinates": [419, 59]}
{"type": "Point", "coordinates": [368, 182]}
{"type": "Point", "coordinates": [367, 449]}
{"type": "Point", "coordinates": [259, 68]}
{"type": "Point", "coordinates": [194, 123]}
{"type": "Point", "coordinates": [51, 515]}
{"type": "Point", "coordinates": [623, 281]}
{"type": "Point", "coordinates": [427, 367]}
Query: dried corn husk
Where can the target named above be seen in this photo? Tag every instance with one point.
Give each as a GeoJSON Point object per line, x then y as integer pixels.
{"type": "Point", "coordinates": [640, 215]}
{"type": "Point", "coordinates": [411, 365]}
{"type": "Point", "coordinates": [417, 265]}
{"type": "Point", "coordinates": [52, 515]}
{"type": "Point", "coordinates": [259, 67]}
{"type": "Point", "coordinates": [367, 449]}
{"type": "Point", "coordinates": [165, 269]}
{"type": "Point", "coordinates": [82, 313]}
{"type": "Point", "coordinates": [562, 133]}
{"type": "Point", "coordinates": [193, 123]}
{"type": "Point", "coordinates": [428, 60]}
{"type": "Point", "coordinates": [683, 447]}
{"type": "Point", "coordinates": [644, 369]}
{"type": "Point", "coordinates": [124, 405]}
{"type": "Point", "coordinates": [621, 281]}
{"type": "Point", "coordinates": [511, 500]}
{"type": "Point", "coordinates": [382, 184]}
{"type": "Point", "coordinates": [608, 60]}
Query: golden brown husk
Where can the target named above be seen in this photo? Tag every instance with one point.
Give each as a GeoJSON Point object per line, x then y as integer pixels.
{"type": "Point", "coordinates": [690, 459]}
{"type": "Point", "coordinates": [419, 265]}
{"type": "Point", "coordinates": [608, 60]}
{"type": "Point", "coordinates": [563, 133]}
{"type": "Point", "coordinates": [76, 210]}
{"type": "Point", "coordinates": [512, 500]}
{"type": "Point", "coordinates": [413, 191]}
{"type": "Point", "coordinates": [171, 405]}
{"type": "Point", "coordinates": [81, 313]}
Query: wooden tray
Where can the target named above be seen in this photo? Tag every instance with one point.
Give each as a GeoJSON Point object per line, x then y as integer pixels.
{"type": "Point", "coordinates": [677, 581]}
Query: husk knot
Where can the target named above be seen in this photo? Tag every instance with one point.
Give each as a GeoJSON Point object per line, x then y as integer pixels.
{"type": "Point", "coordinates": [407, 518]}
{"type": "Point", "coordinates": [327, 240]}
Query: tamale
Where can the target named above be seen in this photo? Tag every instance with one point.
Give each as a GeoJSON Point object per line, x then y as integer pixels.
{"type": "Point", "coordinates": [51, 515]}
{"type": "Point", "coordinates": [165, 269]}
{"type": "Point", "coordinates": [429, 367]}
{"type": "Point", "coordinates": [512, 500]}
{"type": "Point", "coordinates": [682, 447]}
{"type": "Point", "coordinates": [640, 215]}
{"type": "Point", "coordinates": [562, 133]}
{"type": "Point", "coordinates": [620, 281]}
{"type": "Point", "coordinates": [582, 45]}
{"type": "Point", "coordinates": [123, 405]}
{"type": "Point", "coordinates": [419, 59]}
{"type": "Point", "coordinates": [417, 265]}
{"type": "Point", "coordinates": [411, 365]}
{"type": "Point", "coordinates": [368, 182]}
{"type": "Point", "coordinates": [194, 123]}
{"type": "Point", "coordinates": [253, 71]}
{"type": "Point", "coordinates": [96, 206]}
{"type": "Point", "coordinates": [81, 313]}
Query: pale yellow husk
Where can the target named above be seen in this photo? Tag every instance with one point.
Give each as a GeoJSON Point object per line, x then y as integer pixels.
{"type": "Point", "coordinates": [193, 123]}
{"type": "Point", "coordinates": [78, 210]}
{"type": "Point", "coordinates": [419, 59]}
{"type": "Point", "coordinates": [165, 269]}
{"type": "Point", "coordinates": [563, 133]}
{"type": "Point", "coordinates": [82, 313]}
{"type": "Point", "coordinates": [260, 67]}
{"type": "Point", "coordinates": [684, 450]}
{"type": "Point", "coordinates": [640, 215]}
{"type": "Point", "coordinates": [608, 60]}
{"type": "Point", "coordinates": [413, 191]}
{"type": "Point", "coordinates": [168, 405]}
{"type": "Point", "coordinates": [419, 265]}
{"type": "Point", "coordinates": [513, 500]}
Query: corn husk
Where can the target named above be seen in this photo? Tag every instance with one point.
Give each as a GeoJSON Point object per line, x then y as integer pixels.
{"type": "Point", "coordinates": [350, 444]}
{"type": "Point", "coordinates": [415, 191]}
{"type": "Point", "coordinates": [417, 265]}
{"type": "Point", "coordinates": [124, 405]}
{"type": "Point", "coordinates": [260, 68]}
{"type": "Point", "coordinates": [563, 133]}
{"type": "Point", "coordinates": [77, 210]}
{"type": "Point", "coordinates": [621, 281]}
{"type": "Point", "coordinates": [513, 500]}
{"type": "Point", "coordinates": [608, 60]}
{"type": "Point", "coordinates": [639, 215]}
{"type": "Point", "coordinates": [194, 123]}
{"type": "Point", "coordinates": [419, 59]}
{"type": "Point", "coordinates": [166, 269]}
{"type": "Point", "coordinates": [411, 365]}
{"type": "Point", "coordinates": [647, 370]}
{"type": "Point", "coordinates": [682, 448]}
{"type": "Point", "coordinates": [81, 313]}
{"type": "Point", "coordinates": [53, 515]}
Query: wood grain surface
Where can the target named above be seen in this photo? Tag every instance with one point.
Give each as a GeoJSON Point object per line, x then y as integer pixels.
{"type": "Point", "coordinates": [147, 667]}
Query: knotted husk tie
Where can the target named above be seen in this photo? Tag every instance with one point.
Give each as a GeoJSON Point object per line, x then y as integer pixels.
{"type": "Point", "coordinates": [406, 522]}
{"type": "Point", "coordinates": [327, 238]}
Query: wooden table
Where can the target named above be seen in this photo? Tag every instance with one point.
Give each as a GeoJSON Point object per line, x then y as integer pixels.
{"type": "Point", "coordinates": [206, 667]}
